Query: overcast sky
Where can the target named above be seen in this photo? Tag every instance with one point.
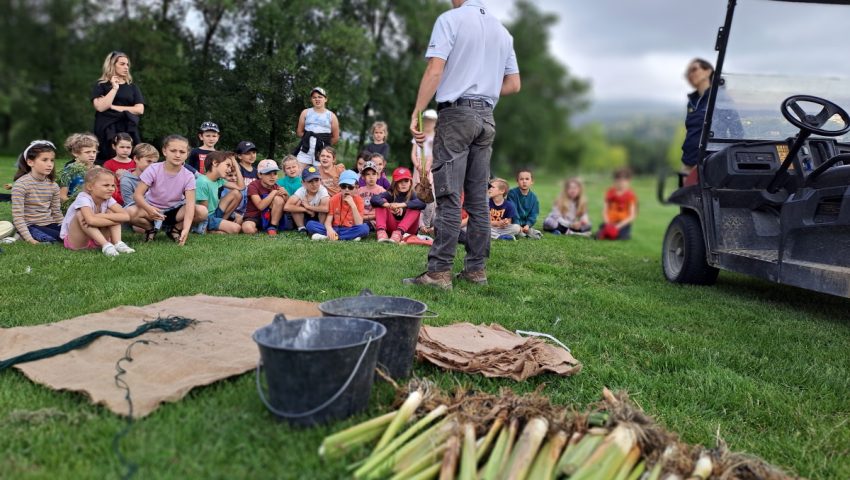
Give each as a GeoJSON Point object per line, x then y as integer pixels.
{"type": "Point", "coordinates": [638, 49]}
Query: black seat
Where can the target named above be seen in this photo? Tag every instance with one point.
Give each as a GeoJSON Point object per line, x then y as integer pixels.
{"type": "Point", "coordinates": [837, 176]}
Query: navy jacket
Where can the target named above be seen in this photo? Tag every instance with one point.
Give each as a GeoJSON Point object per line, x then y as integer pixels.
{"type": "Point", "coordinates": [693, 126]}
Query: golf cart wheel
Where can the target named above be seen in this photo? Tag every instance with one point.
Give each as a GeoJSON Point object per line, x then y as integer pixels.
{"type": "Point", "coordinates": [683, 255]}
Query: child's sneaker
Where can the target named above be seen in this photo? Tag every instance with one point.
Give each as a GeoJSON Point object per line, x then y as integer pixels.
{"type": "Point", "coordinates": [382, 236]}
{"type": "Point", "coordinates": [319, 236]}
{"type": "Point", "coordinates": [122, 247]}
{"type": "Point", "coordinates": [302, 230]}
{"type": "Point", "coordinates": [507, 237]}
{"type": "Point", "coordinates": [109, 250]}
{"type": "Point", "coordinates": [271, 232]}
{"type": "Point", "coordinates": [396, 236]}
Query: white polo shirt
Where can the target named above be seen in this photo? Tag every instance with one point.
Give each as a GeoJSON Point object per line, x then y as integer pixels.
{"type": "Point", "coordinates": [478, 50]}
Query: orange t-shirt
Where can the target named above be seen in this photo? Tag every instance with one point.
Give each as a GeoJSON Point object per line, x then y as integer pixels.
{"type": "Point", "coordinates": [331, 179]}
{"type": "Point", "coordinates": [343, 216]}
{"type": "Point", "coordinates": [619, 204]}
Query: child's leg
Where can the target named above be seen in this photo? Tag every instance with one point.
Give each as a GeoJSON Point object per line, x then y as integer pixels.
{"type": "Point", "coordinates": [381, 215]}
{"type": "Point", "coordinates": [314, 227]}
{"type": "Point", "coordinates": [249, 226]}
{"type": "Point", "coordinates": [80, 237]}
{"type": "Point", "coordinates": [513, 229]}
{"type": "Point", "coordinates": [410, 222]}
{"type": "Point", "coordinates": [277, 212]}
{"type": "Point", "coordinates": [298, 218]}
{"type": "Point", "coordinates": [113, 233]}
{"type": "Point", "coordinates": [229, 202]}
{"type": "Point", "coordinates": [350, 233]}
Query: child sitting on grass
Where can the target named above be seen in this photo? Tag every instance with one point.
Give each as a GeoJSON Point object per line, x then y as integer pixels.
{"type": "Point", "coordinates": [398, 209]}
{"type": "Point", "coordinates": [94, 218]}
{"type": "Point", "coordinates": [165, 196]}
{"type": "Point", "coordinates": [569, 213]}
{"type": "Point", "coordinates": [527, 205]}
{"type": "Point", "coordinates": [35, 196]}
{"type": "Point", "coordinates": [208, 134]}
{"type": "Point", "coordinates": [381, 164]}
{"type": "Point", "coordinates": [122, 163]}
{"type": "Point", "coordinates": [345, 214]}
{"type": "Point", "coordinates": [83, 147]}
{"type": "Point", "coordinates": [330, 170]}
{"type": "Point", "coordinates": [266, 200]}
{"type": "Point", "coordinates": [369, 173]}
{"type": "Point", "coordinates": [291, 180]}
{"type": "Point", "coordinates": [620, 208]}
{"type": "Point", "coordinates": [502, 212]}
{"type": "Point", "coordinates": [217, 165]}
{"type": "Point", "coordinates": [310, 202]}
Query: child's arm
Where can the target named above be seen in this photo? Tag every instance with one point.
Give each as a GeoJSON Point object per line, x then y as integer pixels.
{"type": "Point", "coordinates": [299, 130]}
{"type": "Point", "coordinates": [63, 194]}
{"type": "Point", "coordinates": [632, 214]}
{"type": "Point", "coordinates": [240, 181]}
{"type": "Point", "coordinates": [356, 209]}
{"type": "Point", "coordinates": [605, 213]}
{"type": "Point", "coordinates": [535, 211]}
{"type": "Point", "coordinates": [264, 203]}
{"type": "Point", "coordinates": [323, 205]}
{"type": "Point", "coordinates": [56, 208]}
{"type": "Point", "coordinates": [188, 216]}
{"type": "Point", "coordinates": [334, 129]}
{"type": "Point", "coordinates": [378, 201]}
{"type": "Point", "coordinates": [293, 205]}
{"type": "Point", "coordinates": [139, 197]}
{"type": "Point", "coordinates": [552, 220]}
{"type": "Point", "coordinates": [107, 219]}
{"type": "Point", "coordinates": [19, 194]}
{"type": "Point", "coordinates": [329, 226]}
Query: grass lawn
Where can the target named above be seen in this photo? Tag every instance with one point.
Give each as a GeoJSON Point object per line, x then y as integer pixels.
{"type": "Point", "coordinates": [765, 366]}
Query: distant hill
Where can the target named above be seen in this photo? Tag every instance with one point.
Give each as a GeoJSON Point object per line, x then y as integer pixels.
{"type": "Point", "coordinates": [653, 120]}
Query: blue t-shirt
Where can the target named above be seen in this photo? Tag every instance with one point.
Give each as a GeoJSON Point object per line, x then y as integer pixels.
{"type": "Point", "coordinates": [503, 211]}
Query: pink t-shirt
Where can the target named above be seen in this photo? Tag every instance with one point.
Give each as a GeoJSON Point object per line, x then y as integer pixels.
{"type": "Point", "coordinates": [166, 190]}
{"type": "Point", "coordinates": [83, 200]}
{"type": "Point", "coordinates": [366, 194]}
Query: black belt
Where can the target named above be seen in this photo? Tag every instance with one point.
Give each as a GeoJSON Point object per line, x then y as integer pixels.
{"type": "Point", "coordinates": [464, 102]}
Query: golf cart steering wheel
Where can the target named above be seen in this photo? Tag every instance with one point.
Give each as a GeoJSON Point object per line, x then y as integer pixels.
{"type": "Point", "coordinates": [794, 113]}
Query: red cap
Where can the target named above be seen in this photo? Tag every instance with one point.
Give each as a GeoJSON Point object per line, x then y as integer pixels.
{"type": "Point", "coordinates": [402, 173]}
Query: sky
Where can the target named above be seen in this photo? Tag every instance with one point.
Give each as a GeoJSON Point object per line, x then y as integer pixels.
{"type": "Point", "coordinates": [638, 49]}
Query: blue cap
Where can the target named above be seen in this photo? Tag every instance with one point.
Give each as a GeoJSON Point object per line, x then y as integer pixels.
{"type": "Point", "coordinates": [309, 173]}
{"type": "Point", "coordinates": [348, 177]}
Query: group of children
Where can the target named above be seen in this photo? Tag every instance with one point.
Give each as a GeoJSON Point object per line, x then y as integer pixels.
{"type": "Point", "coordinates": [206, 190]}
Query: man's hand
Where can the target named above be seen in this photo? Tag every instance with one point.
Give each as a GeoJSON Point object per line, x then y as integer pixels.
{"type": "Point", "coordinates": [418, 135]}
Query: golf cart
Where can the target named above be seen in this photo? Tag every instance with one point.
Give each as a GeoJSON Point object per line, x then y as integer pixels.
{"type": "Point", "coordinates": [770, 196]}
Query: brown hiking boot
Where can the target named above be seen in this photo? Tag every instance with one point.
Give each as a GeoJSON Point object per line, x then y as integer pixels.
{"type": "Point", "coordinates": [478, 277]}
{"type": "Point", "coordinates": [435, 279]}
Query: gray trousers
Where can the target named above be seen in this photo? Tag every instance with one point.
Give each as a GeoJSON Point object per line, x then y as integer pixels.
{"type": "Point", "coordinates": [462, 147]}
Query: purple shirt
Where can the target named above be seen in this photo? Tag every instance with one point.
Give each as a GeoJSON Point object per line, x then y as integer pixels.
{"type": "Point", "coordinates": [166, 190]}
{"type": "Point", "coordinates": [82, 200]}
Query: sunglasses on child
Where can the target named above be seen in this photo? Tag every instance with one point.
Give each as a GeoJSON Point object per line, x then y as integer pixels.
{"type": "Point", "coordinates": [345, 186]}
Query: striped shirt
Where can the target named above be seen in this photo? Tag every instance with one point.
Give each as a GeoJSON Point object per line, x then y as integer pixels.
{"type": "Point", "coordinates": [34, 202]}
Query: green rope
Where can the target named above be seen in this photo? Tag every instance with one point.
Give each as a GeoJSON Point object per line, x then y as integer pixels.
{"type": "Point", "coordinates": [130, 467]}
{"type": "Point", "coordinates": [167, 324]}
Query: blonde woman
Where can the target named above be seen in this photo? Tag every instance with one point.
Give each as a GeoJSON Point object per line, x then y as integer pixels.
{"type": "Point", "coordinates": [569, 213]}
{"type": "Point", "coordinates": [118, 103]}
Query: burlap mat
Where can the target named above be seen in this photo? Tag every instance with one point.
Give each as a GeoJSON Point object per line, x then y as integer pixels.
{"type": "Point", "coordinates": [220, 346]}
{"type": "Point", "coordinates": [492, 351]}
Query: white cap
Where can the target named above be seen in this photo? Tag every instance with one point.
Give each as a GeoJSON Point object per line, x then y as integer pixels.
{"type": "Point", "coordinates": [430, 113]}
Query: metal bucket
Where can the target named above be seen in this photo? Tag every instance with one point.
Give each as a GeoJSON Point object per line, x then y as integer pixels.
{"type": "Point", "coordinates": [402, 318]}
{"type": "Point", "coordinates": [317, 369]}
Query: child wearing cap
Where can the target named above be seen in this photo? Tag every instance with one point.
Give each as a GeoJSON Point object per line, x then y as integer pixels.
{"type": "Point", "coordinates": [502, 212]}
{"type": "Point", "coordinates": [330, 170]}
{"type": "Point", "coordinates": [217, 165]}
{"type": "Point", "coordinates": [369, 174]}
{"type": "Point", "coordinates": [379, 132]}
{"type": "Point", "coordinates": [398, 209]}
{"type": "Point", "coordinates": [318, 127]}
{"type": "Point", "coordinates": [266, 200]}
{"type": "Point", "coordinates": [208, 134]}
{"type": "Point", "coordinates": [345, 214]}
{"type": "Point", "coordinates": [310, 202]}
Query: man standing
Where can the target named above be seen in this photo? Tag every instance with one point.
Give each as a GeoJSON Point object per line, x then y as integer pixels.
{"type": "Point", "coordinates": [471, 62]}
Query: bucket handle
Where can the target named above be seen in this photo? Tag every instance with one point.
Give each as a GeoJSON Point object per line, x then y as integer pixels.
{"type": "Point", "coordinates": [426, 314]}
{"type": "Point", "coordinates": [324, 405]}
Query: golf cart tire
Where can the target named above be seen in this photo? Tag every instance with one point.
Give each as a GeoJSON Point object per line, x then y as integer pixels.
{"type": "Point", "coordinates": [683, 256]}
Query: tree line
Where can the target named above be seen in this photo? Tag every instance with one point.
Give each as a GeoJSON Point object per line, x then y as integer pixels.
{"type": "Point", "coordinates": [249, 65]}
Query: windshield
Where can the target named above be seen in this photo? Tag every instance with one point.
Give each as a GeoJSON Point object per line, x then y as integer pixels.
{"type": "Point", "coordinates": [776, 50]}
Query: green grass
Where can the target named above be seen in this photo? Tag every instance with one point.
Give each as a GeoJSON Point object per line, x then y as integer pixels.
{"type": "Point", "coordinates": [765, 366]}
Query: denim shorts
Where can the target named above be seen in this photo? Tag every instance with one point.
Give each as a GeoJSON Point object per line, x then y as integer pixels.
{"type": "Point", "coordinates": [214, 220]}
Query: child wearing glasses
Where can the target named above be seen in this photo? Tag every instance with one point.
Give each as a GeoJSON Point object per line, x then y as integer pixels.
{"type": "Point", "coordinates": [344, 220]}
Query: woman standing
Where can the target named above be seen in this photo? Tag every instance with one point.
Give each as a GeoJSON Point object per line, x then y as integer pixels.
{"type": "Point", "coordinates": [699, 74]}
{"type": "Point", "coordinates": [118, 103]}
